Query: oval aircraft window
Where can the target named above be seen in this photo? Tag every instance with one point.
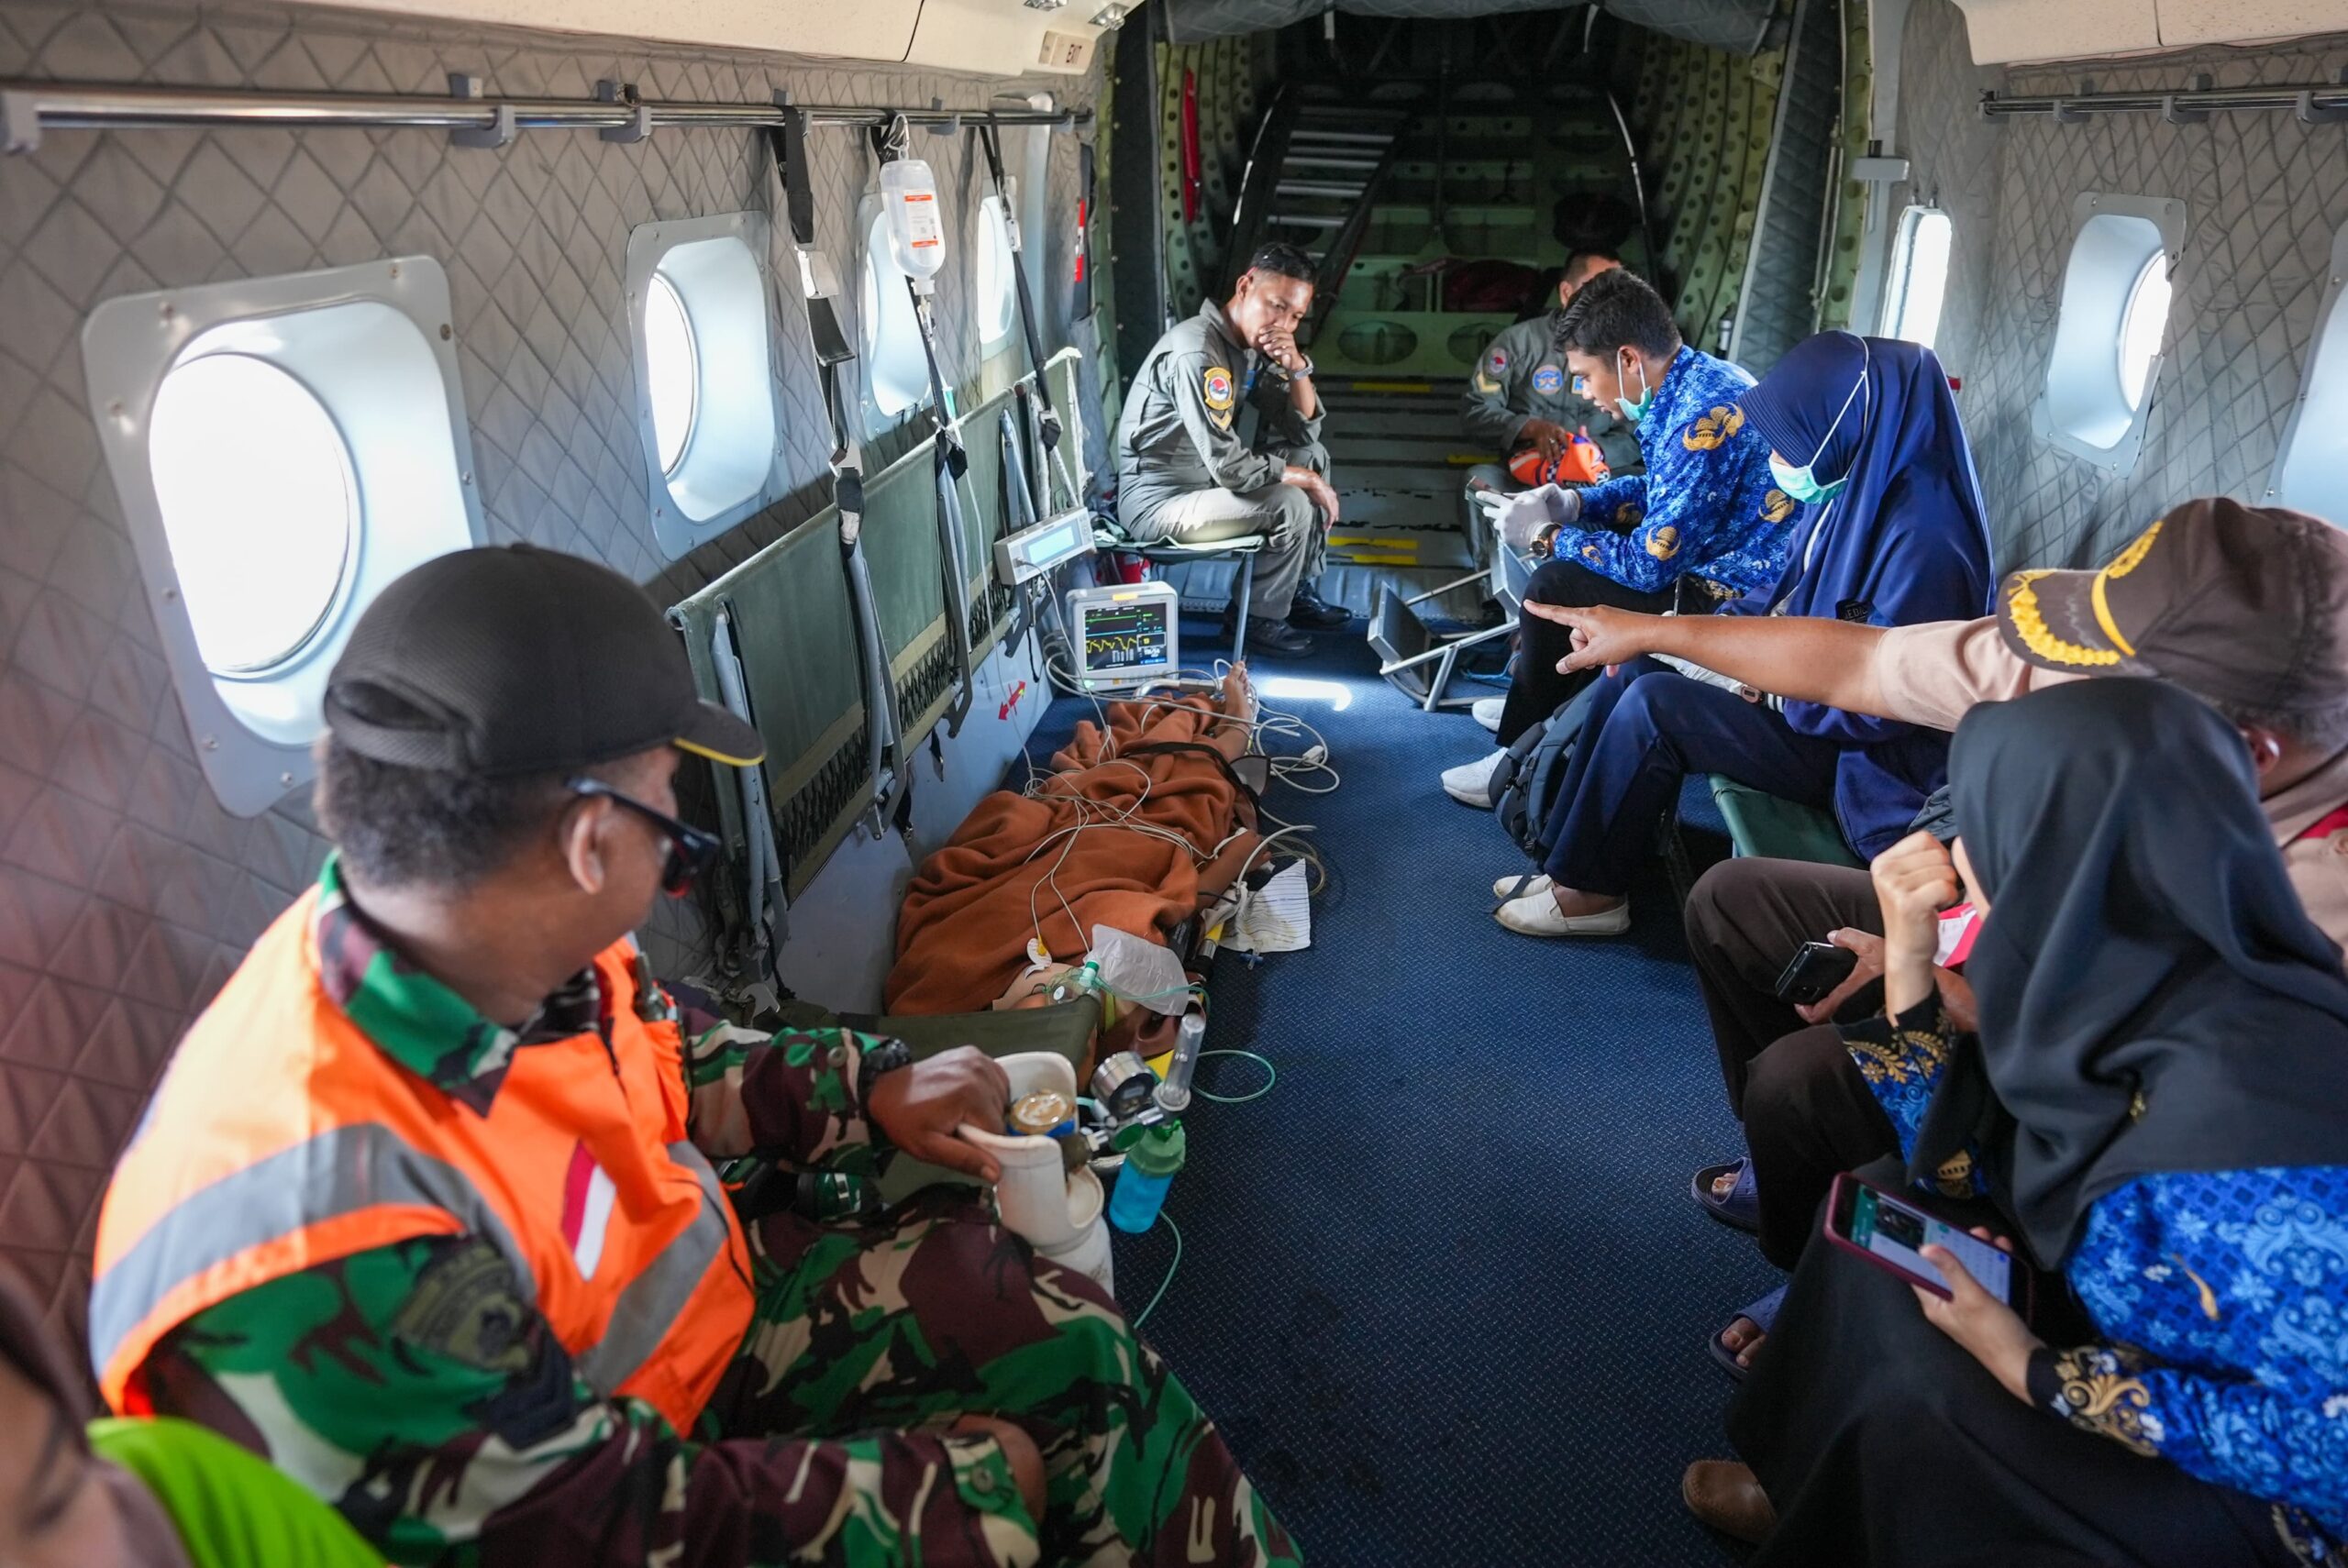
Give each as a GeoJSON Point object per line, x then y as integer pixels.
{"type": "Point", "coordinates": [259, 503]}
{"type": "Point", "coordinates": [2141, 326]}
{"type": "Point", "coordinates": [1918, 278]}
{"type": "Point", "coordinates": [673, 369]}
{"type": "Point", "coordinates": [997, 298]}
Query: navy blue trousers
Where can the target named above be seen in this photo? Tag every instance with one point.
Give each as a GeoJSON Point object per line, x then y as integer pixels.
{"type": "Point", "coordinates": [1649, 727]}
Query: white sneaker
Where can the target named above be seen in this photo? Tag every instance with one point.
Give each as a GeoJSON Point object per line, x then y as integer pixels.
{"type": "Point", "coordinates": [1487, 712]}
{"type": "Point", "coordinates": [1536, 914]}
{"type": "Point", "coordinates": [1470, 783]}
{"type": "Point", "coordinates": [1506, 887]}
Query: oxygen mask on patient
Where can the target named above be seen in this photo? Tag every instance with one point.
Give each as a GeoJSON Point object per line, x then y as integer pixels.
{"type": "Point", "coordinates": [1122, 970]}
{"type": "Point", "coordinates": [1137, 970]}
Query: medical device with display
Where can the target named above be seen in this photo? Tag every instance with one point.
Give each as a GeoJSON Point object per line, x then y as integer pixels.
{"type": "Point", "coordinates": [1124, 635]}
{"type": "Point", "coordinates": [1036, 549]}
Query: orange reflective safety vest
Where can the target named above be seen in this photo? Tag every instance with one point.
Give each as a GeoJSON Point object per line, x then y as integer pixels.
{"type": "Point", "coordinates": [283, 1138]}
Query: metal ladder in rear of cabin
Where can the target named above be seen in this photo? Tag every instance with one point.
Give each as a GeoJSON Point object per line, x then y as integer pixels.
{"type": "Point", "coordinates": [1313, 179]}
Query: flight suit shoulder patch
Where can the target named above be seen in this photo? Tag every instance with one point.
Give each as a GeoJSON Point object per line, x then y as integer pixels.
{"type": "Point", "coordinates": [1496, 361]}
{"type": "Point", "coordinates": [1216, 390]}
{"type": "Point", "coordinates": [1548, 381]}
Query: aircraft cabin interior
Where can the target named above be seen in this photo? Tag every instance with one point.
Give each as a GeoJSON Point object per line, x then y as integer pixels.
{"type": "Point", "coordinates": [1098, 783]}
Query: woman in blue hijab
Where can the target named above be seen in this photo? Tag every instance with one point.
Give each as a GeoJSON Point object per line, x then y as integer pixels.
{"type": "Point", "coordinates": [1864, 432]}
{"type": "Point", "coordinates": [1865, 437]}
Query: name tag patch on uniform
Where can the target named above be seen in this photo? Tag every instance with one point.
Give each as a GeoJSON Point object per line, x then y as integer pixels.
{"type": "Point", "coordinates": [1548, 381]}
{"type": "Point", "coordinates": [1218, 388]}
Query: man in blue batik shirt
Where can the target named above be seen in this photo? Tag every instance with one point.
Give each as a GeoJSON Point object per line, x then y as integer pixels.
{"type": "Point", "coordinates": [1702, 525]}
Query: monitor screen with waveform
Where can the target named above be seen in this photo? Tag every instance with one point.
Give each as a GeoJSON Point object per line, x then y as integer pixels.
{"type": "Point", "coordinates": [1125, 633]}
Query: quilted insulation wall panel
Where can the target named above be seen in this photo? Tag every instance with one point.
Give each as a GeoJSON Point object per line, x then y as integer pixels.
{"type": "Point", "coordinates": [127, 894]}
{"type": "Point", "coordinates": [2263, 197]}
{"type": "Point", "coordinates": [1703, 118]}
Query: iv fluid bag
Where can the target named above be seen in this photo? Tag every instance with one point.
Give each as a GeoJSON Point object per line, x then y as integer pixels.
{"type": "Point", "coordinates": [916, 237]}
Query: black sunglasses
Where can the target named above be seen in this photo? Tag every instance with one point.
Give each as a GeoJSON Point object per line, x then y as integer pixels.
{"type": "Point", "coordinates": [690, 851]}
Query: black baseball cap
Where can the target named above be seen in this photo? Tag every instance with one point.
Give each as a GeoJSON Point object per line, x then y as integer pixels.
{"type": "Point", "coordinates": [510, 659]}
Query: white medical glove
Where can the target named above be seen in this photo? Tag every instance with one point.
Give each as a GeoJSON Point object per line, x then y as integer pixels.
{"type": "Point", "coordinates": [1522, 518]}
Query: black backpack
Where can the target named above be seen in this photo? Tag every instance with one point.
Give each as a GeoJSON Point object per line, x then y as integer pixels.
{"type": "Point", "coordinates": [1530, 778]}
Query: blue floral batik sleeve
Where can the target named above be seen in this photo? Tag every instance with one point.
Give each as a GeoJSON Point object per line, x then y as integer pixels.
{"type": "Point", "coordinates": [2223, 1299]}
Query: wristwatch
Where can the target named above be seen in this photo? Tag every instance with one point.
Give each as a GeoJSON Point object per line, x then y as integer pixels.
{"type": "Point", "coordinates": [1305, 374]}
{"type": "Point", "coordinates": [1545, 543]}
{"type": "Point", "coordinates": [885, 1057]}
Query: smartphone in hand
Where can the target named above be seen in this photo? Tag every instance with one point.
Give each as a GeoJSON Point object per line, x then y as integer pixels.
{"type": "Point", "coordinates": [1892, 1229]}
{"type": "Point", "coordinates": [1815, 971]}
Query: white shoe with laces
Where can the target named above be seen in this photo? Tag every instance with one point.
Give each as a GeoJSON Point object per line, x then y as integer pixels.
{"type": "Point", "coordinates": [1536, 914]}
{"type": "Point", "coordinates": [1487, 712]}
{"type": "Point", "coordinates": [1470, 783]}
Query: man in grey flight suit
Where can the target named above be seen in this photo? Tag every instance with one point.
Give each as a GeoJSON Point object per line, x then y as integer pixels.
{"type": "Point", "coordinates": [1521, 398]}
{"type": "Point", "coordinates": [1184, 473]}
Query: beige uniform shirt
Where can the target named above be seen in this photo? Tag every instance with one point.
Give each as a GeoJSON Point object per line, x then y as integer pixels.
{"type": "Point", "coordinates": [1930, 674]}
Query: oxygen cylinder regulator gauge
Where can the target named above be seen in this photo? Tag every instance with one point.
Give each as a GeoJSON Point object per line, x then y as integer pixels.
{"type": "Point", "coordinates": [916, 237]}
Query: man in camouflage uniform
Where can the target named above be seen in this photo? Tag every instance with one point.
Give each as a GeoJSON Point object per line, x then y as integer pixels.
{"type": "Point", "coordinates": [1520, 398]}
{"type": "Point", "coordinates": [912, 1387]}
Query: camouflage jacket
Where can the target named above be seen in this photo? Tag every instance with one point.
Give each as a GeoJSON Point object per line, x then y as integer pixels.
{"type": "Point", "coordinates": [416, 1387]}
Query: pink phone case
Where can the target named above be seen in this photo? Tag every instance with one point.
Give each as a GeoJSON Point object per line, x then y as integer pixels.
{"type": "Point", "coordinates": [1850, 1181]}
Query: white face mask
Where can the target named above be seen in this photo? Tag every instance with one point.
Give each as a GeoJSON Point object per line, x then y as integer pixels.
{"type": "Point", "coordinates": [1803, 483]}
{"type": "Point", "coordinates": [1636, 408]}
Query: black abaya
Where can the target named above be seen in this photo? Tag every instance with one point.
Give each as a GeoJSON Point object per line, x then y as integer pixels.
{"type": "Point", "coordinates": [1882, 1441]}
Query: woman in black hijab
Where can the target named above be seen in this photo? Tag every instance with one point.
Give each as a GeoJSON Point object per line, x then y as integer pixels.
{"type": "Point", "coordinates": [2158, 1098]}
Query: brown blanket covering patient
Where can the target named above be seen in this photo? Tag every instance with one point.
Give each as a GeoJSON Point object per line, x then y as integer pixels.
{"type": "Point", "coordinates": [1162, 834]}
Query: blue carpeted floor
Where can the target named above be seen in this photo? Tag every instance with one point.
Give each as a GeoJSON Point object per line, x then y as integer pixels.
{"type": "Point", "coordinates": [1444, 1287]}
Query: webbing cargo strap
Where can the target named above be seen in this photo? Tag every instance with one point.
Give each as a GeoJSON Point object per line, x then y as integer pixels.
{"type": "Point", "coordinates": [1048, 418]}
{"type": "Point", "coordinates": [887, 778]}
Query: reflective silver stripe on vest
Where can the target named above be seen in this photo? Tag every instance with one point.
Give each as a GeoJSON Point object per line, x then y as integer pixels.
{"type": "Point", "coordinates": [339, 1172]}
{"type": "Point", "coordinates": [655, 1297]}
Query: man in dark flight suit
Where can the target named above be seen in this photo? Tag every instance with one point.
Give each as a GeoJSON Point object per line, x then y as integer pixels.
{"type": "Point", "coordinates": [1184, 472]}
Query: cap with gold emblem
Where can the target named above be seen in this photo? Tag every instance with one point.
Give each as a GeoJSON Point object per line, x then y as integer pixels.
{"type": "Point", "coordinates": [2246, 606]}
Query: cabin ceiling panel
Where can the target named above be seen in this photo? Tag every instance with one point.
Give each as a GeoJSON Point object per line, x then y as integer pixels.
{"type": "Point", "coordinates": [2263, 196]}
{"type": "Point", "coordinates": [844, 29]}
{"type": "Point", "coordinates": [2004, 31]}
{"type": "Point", "coordinates": [127, 894]}
{"type": "Point", "coordinates": [2187, 22]}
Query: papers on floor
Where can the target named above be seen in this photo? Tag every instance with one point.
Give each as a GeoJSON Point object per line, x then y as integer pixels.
{"type": "Point", "coordinates": [1274, 918]}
